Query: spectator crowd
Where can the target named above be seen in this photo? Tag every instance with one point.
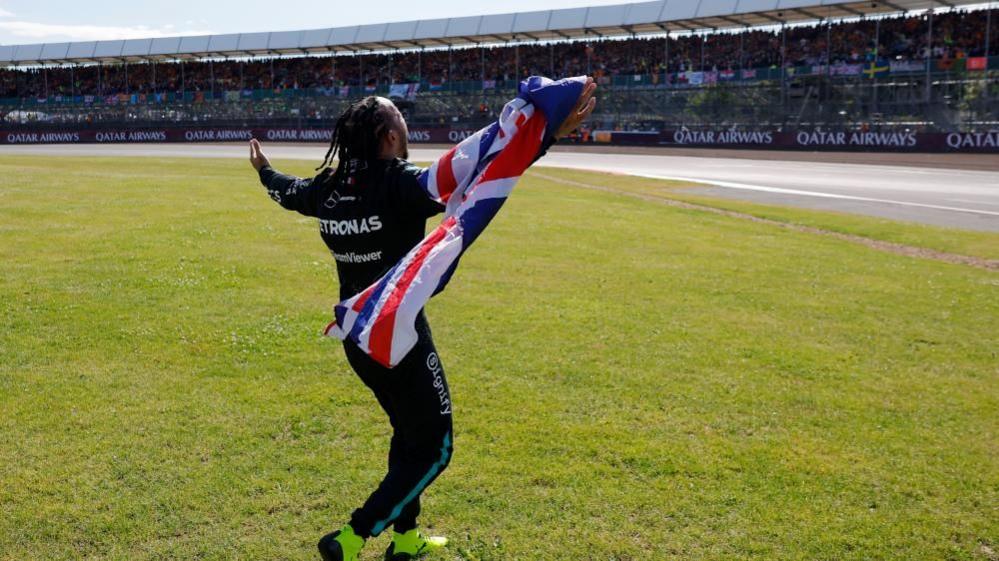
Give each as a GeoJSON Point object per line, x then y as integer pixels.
{"type": "Point", "coordinates": [956, 34]}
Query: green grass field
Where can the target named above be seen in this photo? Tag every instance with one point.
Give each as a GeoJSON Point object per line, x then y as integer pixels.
{"type": "Point", "coordinates": [631, 381]}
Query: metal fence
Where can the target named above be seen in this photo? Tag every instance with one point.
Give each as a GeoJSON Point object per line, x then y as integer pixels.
{"type": "Point", "coordinates": [950, 100]}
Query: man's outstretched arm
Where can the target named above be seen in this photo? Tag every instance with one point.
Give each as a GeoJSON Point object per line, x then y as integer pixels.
{"type": "Point", "coordinates": [303, 195]}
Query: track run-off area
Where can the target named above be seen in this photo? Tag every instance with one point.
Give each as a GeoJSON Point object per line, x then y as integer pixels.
{"type": "Point", "coordinates": [962, 192]}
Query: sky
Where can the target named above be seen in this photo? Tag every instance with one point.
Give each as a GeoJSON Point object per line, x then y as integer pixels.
{"type": "Point", "coordinates": [50, 21]}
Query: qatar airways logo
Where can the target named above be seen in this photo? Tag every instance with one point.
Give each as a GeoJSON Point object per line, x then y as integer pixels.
{"type": "Point", "coordinates": [458, 136]}
{"type": "Point", "coordinates": [723, 137]}
{"type": "Point", "coordinates": [958, 140]}
{"type": "Point", "coordinates": [893, 139]}
{"type": "Point", "coordinates": [302, 135]}
{"type": "Point", "coordinates": [36, 138]}
{"type": "Point", "coordinates": [132, 136]}
{"type": "Point", "coordinates": [419, 135]}
{"type": "Point", "coordinates": [217, 135]}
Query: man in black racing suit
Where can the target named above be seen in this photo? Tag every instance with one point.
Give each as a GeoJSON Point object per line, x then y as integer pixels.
{"type": "Point", "coordinates": [372, 211]}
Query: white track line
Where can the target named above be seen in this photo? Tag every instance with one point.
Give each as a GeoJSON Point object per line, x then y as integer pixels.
{"type": "Point", "coordinates": [746, 186]}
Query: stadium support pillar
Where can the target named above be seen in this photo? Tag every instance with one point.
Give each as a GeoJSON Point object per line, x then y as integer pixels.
{"type": "Point", "coordinates": [551, 58]}
{"type": "Point", "coordinates": [272, 72]}
{"type": "Point", "coordinates": [929, 53]}
{"type": "Point", "coordinates": [72, 80]}
{"type": "Point", "coordinates": [742, 51]}
{"type": "Point", "coordinates": [877, 52]}
{"type": "Point", "coordinates": [45, 80]}
{"type": "Point", "coordinates": [783, 67]}
{"type": "Point", "coordinates": [666, 58]}
{"type": "Point", "coordinates": [516, 62]}
{"type": "Point", "coordinates": [211, 77]}
{"type": "Point", "coordinates": [100, 79]}
{"type": "Point", "coordinates": [482, 65]}
{"type": "Point", "coordinates": [241, 84]}
{"type": "Point", "coordinates": [828, 58]}
{"type": "Point", "coordinates": [988, 36]}
{"type": "Point", "coordinates": [183, 89]}
{"type": "Point", "coordinates": [154, 77]}
{"type": "Point", "coordinates": [127, 89]}
{"type": "Point", "coordinates": [703, 37]}
{"type": "Point", "coordinates": [988, 33]}
{"type": "Point", "coordinates": [450, 68]}
{"type": "Point", "coordinates": [419, 65]}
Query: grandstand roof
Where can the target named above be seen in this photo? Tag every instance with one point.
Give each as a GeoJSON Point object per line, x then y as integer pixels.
{"type": "Point", "coordinates": [615, 20]}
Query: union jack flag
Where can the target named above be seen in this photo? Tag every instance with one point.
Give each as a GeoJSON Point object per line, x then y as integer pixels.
{"type": "Point", "coordinates": [473, 180]}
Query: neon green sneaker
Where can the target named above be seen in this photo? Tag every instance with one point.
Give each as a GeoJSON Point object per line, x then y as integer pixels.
{"type": "Point", "coordinates": [411, 545]}
{"type": "Point", "coordinates": [341, 545]}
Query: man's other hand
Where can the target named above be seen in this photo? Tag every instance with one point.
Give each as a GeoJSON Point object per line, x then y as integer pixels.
{"type": "Point", "coordinates": [257, 158]}
{"type": "Point", "coordinates": [581, 112]}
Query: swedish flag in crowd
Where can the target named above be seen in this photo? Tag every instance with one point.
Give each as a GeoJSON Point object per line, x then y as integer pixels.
{"type": "Point", "coordinates": [876, 66]}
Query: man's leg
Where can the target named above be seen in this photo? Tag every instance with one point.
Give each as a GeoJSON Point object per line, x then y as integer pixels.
{"type": "Point", "coordinates": [417, 395]}
{"type": "Point", "coordinates": [406, 520]}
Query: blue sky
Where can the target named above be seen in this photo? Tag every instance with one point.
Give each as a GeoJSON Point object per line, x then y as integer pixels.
{"type": "Point", "coordinates": [34, 21]}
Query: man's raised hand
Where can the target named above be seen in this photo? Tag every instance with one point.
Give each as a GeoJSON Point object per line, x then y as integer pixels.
{"type": "Point", "coordinates": [257, 158]}
{"type": "Point", "coordinates": [581, 112]}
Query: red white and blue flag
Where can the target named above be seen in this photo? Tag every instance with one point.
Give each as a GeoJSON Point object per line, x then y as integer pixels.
{"type": "Point", "coordinates": [473, 180]}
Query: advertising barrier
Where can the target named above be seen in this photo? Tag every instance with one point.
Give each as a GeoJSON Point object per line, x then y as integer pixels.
{"type": "Point", "coordinates": [872, 141]}
{"type": "Point", "coordinates": [440, 135]}
{"type": "Point", "coordinates": [886, 141]}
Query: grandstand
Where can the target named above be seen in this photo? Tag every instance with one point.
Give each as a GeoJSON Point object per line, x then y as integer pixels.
{"type": "Point", "coordinates": [905, 65]}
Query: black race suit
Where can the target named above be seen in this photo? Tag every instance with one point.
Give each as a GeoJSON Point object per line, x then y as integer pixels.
{"type": "Point", "coordinates": [369, 223]}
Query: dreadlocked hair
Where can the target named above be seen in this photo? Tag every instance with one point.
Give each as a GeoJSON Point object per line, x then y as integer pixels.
{"type": "Point", "coordinates": [356, 136]}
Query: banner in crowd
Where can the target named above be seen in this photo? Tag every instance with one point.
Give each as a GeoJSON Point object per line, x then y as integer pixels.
{"type": "Point", "coordinates": [977, 63]}
{"type": "Point", "coordinates": [694, 78]}
{"type": "Point", "coordinates": [908, 66]}
{"type": "Point", "coordinates": [887, 140]}
{"type": "Point", "coordinates": [404, 91]}
{"type": "Point", "coordinates": [846, 69]}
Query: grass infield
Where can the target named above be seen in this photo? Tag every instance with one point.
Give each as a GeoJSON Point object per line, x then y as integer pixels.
{"type": "Point", "coordinates": [631, 381]}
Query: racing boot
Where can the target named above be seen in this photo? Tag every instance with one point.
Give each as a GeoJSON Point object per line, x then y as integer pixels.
{"type": "Point", "coordinates": [341, 545]}
{"type": "Point", "coordinates": [412, 545]}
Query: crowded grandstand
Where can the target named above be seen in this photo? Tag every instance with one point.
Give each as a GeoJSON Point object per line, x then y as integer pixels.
{"type": "Point", "coordinates": [926, 71]}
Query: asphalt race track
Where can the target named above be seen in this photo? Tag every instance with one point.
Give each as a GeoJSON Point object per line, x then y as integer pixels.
{"type": "Point", "coordinates": [943, 196]}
